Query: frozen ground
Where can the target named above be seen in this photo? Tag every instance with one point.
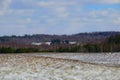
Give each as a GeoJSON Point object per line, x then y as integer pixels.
{"type": "Point", "coordinates": [36, 67]}
{"type": "Point", "coordinates": [108, 59]}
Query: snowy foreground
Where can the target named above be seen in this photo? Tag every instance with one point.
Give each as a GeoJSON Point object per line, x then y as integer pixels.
{"type": "Point", "coordinates": [108, 59]}
{"type": "Point", "coordinates": [37, 67]}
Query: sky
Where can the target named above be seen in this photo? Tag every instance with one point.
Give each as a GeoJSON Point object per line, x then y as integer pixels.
{"type": "Point", "coordinates": [19, 17]}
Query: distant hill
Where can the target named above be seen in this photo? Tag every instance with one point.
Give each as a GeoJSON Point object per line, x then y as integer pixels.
{"type": "Point", "coordinates": [94, 37]}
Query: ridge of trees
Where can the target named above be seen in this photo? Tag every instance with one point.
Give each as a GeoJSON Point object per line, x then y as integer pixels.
{"type": "Point", "coordinates": [84, 38]}
{"type": "Point", "coordinates": [110, 44]}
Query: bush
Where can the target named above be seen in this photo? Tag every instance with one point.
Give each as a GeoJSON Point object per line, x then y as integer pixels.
{"type": "Point", "coordinates": [7, 50]}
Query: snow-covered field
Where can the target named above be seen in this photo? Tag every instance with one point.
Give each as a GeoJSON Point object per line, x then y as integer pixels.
{"type": "Point", "coordinates": [37, 67]}
{"type": "Point", "coordinates": [108, 59]}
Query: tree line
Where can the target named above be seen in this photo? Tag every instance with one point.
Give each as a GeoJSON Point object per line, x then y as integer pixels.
{"type": "Point", "coordinates": [112, 44]}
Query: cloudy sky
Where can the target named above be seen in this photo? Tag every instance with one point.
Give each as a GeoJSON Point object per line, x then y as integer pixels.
{"type": "Point", "coordinates": [19, 17]}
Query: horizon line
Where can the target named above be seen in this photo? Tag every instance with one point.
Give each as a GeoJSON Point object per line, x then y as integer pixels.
{"type": "Point", "coordinates": [59, 34]}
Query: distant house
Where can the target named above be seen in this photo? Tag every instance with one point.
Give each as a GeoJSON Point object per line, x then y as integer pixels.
{"type": "Point", "coordinates": [37, 44]}
{"type": "Point", "coordinates": [41, 43]}
{"type": "Point", "coordinates": [55, 42]}
{"type": "Point", "coordinates": [72, 42]}
{"type": "Point", "coordinates": [48, 43]}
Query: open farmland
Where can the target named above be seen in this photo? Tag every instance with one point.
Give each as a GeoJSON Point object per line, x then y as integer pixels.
{"type": "Point", "coordinates": [108, 59]}
{"type": "Point", "coordinates": [64, 66]}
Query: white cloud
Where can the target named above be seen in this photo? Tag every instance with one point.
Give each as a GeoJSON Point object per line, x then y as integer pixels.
{"type": "Point", "coordinates": [29, 20]}
{"type": "Point", "coordinates": [4, 5]}
{"type": "Point", "coordinates": [117, 21]}
{"type": "Point", "coordinates": [45, 4]}
{"type": "Point", "coordinates": [55, 3]}
{"type": "Point", "coordinates": [100, 20]}
{"type": "Point", "coordinates": [12, 29]}
{"type": "Point", "coordinates": [58, 8]}
{"type": "Point", "coordinates": [65, 16]}
{"type": "Point", "coordinates": [23, 12]}
{"type": "Point", "coordinates": [17, 21]}
{"type": "Point", "coordinates": [61, 12]}
{"type": "Point", "coordinates": [110, 1]}
{"type": "Point", "coordinates": [99, 2]}
{"type": "Point", "coordinates": [15, 29]}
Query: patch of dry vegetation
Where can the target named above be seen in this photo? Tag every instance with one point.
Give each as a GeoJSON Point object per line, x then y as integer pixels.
{"type": "Point", "coordinates": [25, 67]}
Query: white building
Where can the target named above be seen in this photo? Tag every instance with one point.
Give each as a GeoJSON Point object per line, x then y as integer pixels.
{"type": "Point", "coordinates": [48, 43]}
{"type": "Point", "coordinates": [72, 42]}
{"type": "Point", "coordinates": [35, 43]}
{"type": "Point", "coordinates": [41, 43]}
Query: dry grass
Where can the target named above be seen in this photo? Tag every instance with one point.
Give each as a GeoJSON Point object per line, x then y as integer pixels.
{"type": "Point", "coordinates": [27, 67]}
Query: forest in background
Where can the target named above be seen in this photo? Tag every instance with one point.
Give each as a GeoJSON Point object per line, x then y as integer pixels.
{"type": "Point", "coordinates": [88, 42]}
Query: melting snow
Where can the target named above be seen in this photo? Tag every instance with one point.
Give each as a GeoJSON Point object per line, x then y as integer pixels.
{"type": "Point", "coordinates": [25, 67]}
